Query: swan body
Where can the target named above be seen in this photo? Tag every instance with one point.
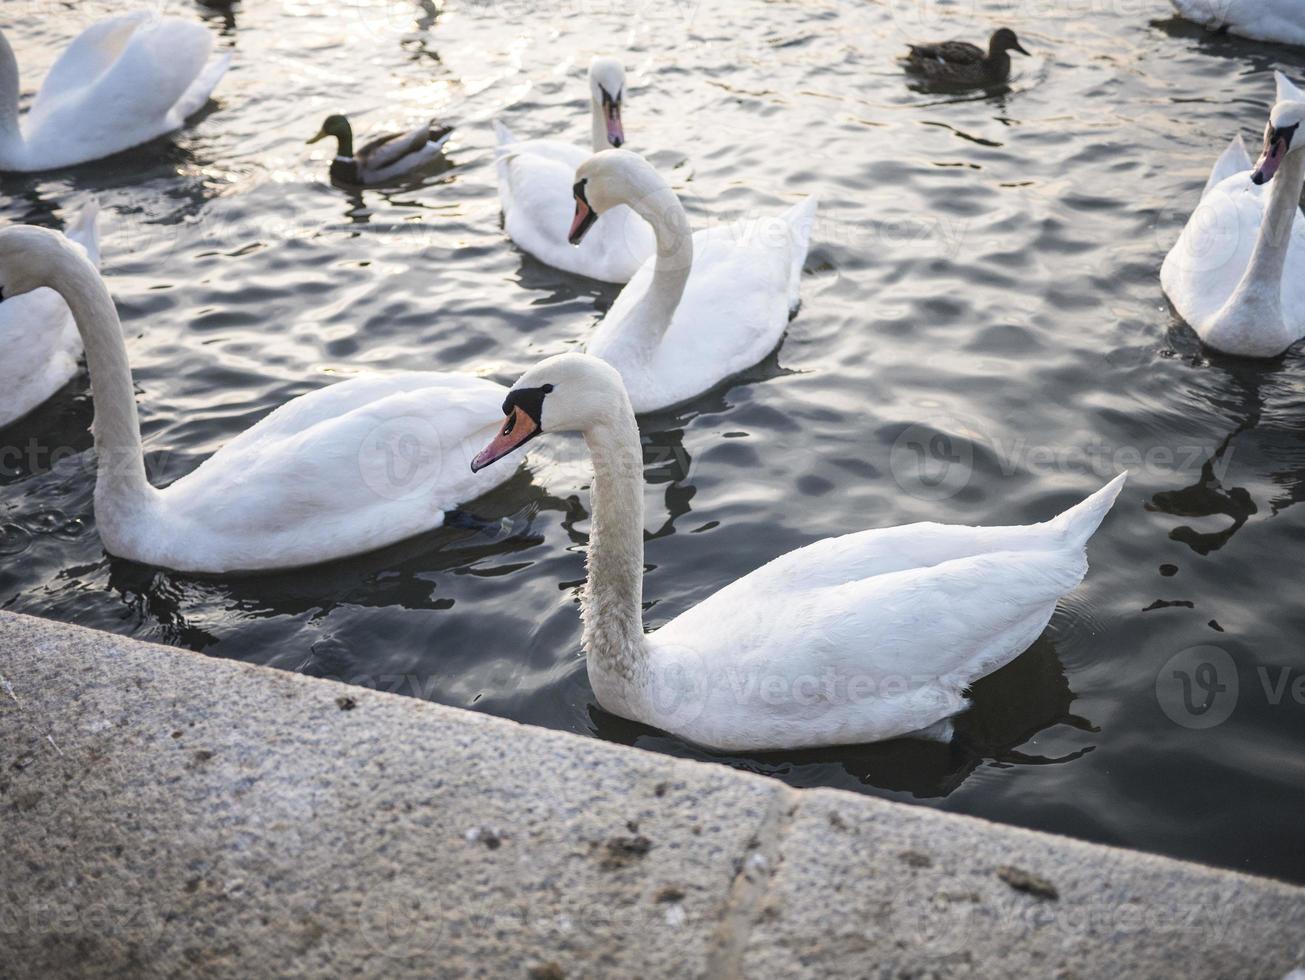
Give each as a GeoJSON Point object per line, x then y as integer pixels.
{"type": "Point", "coordinates": [122, 82]}
{"type": "Point", "coordinates": [1282, 21]}
{"type": "Point", "coordinates": [343, 470]}
{"type": "Point", "coordinates": [534, 187]}
{"type": "Point", "coordinates": [40, 340]}
{"type": "Point", "coordinates": [707, 305]}
{"type": "Point", "coordinates": [384, 158]}
{"type": "Point", "coordinates": [857, 638]}
{"type": "Point", "coordinates": [961, 62]}
{"type": "Point", "coordinates": [1236, 274]}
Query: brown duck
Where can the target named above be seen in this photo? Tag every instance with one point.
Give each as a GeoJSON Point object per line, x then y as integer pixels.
{"type": "Point", "coordinates": [965, 63]}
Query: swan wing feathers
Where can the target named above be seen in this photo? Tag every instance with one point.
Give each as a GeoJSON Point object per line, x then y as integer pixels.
{"type": "Point", "coordinates": [368, 442]}
{"type": "Point", "coordinates": [130, 100]}
{"type": "Point", "coordinates": [865, 636]}
{"type": "Point", "coordinates": [86, 59]}
{"type": "Point", "coordinates": [1233, 160]}
{"type": "Point", "coordinates": [884, 656]}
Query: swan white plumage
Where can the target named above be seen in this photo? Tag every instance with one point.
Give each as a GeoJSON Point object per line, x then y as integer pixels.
{"type": "Point", "coordinates": [1282, 21]}
{"type": "Point", "coordinates": [39, 339]}
{"type": "Point", "coordinates": [122, 82]}
{"type": "Point", "coordinates": [1237, 272]}
{"type": "Point", "coordinates": [534, 188]}
{"type": "Point", "coordinates": [709, 304]}
{"type": "Point", "coordinates": [342, 470]}
{"type": "Point", "coordinates": [851, 639]}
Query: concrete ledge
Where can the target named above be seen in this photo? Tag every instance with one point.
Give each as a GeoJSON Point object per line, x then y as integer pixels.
{"type": "Point", "coordinates": [166, 813]}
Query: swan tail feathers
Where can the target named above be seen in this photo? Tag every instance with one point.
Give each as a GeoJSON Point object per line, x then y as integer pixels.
{"type": "Point", "coordinates": [1234, 159]}
{"type": "Point", "coordinates": [800, 219]}
{"type": "Point", "coordinates": [202, 87]}
{"type": "Point", "coordinates": [85, 231]}
{"type": "Point", "coordinates": [1287, 90]}
{"type": "Point", "coordinates": [1076, 525]}
{"type": "Point", "coordinates": [503, 134]}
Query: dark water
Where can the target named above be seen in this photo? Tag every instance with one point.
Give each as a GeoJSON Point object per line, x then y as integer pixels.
{"type": "Point", "coordinates": [983, 339]}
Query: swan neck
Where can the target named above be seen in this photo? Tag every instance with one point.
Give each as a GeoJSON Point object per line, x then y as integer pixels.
{"type": "Point", "coordinates": [9, 127]}
{"type": "Point", "coordinates": [121, 466]}
{"type": "Point", "coordinates": [670, 224]}
{"type": "Point", "coordinates": [1270, 255]}
{"type": "Point", "coordinates": [612, 605]}
{"type": "Point", "coordinates": [599, 123]}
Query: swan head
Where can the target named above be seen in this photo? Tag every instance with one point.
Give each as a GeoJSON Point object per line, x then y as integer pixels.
{"type": "Point", "coordinates": [611, 178]}
{"type": "Point", "coordinates": [607, 89]}
{"type": "Point", "coordinates": [565, 393]}
{"type": "Point", "coordinates": [27, 257]}
{"type": "Point", "coordinates": [1003, 39]}
{"type": "Point", "coordinates": [1282, 135]}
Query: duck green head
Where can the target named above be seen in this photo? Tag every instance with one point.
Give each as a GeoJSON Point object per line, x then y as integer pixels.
{"type": "Point", "coordinates": [337, 126]}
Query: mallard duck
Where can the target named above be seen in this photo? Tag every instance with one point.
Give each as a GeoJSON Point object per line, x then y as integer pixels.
{"type": "Point", "coordinates": [385, 157]}
{"type": "Point", "coordinates": [965, 63]}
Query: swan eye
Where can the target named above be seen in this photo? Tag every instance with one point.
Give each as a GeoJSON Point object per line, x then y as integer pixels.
{"type": "Point", "coordinates": [510, 424]}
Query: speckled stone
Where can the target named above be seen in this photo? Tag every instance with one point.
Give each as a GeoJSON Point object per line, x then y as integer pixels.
{"type": "Point", "coordinates": [166, 813]}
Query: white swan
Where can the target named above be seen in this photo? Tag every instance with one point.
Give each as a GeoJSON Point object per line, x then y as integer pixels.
{"type": "Point", "coordinates": [1282, 21]}
{"type": "Point", "coordinates": [1237, 272]}
{"type": "Point", "coordinates": [534, 187]}
{"type": "Point", "coordinates": [122, 82]}
{"type": "Point", "coordinates": [346, 469]}
{"type": "Point", "coordinates": [39, 339]}
{"type": "Point", "coordinates": [851, 639]}
{"type": "Point", "coordinates": [709, 304]}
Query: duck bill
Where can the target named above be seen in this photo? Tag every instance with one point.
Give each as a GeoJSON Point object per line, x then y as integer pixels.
{"type": "Point", "coordinates": [584, 218]}
{"type": "Point", "coordinates": [321, 134]}
{"type": "Point", "coordinates": [517, 430]}
{"type": "Point", "coordinates": [1018, 47]}
{"type": "Point", "coordinates": [615, 131]}
{"type": "Point", "coordinates": [1275, 148]}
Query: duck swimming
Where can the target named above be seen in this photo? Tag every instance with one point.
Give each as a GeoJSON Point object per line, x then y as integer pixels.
{"type": "Point", "coordinates": [963, 63]}
{"type": "Point", "coordinates": [384, 158]}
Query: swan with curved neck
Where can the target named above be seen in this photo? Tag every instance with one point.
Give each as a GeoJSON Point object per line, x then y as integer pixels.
{"type": "Point", "coordinates": [1237, 272]}
{"type": "Point", "coordinates": [851, 639]}
{"type": "Point", "coordinates": [709, 304]}
{"type": "Point", "coordinates": [342, 470]}
{"type": "Point", "coordinates": [534, 186]}
{"type": "Point", "coordinates": [39, 338]}
{"type": "Point", "coordinates": [122, 82]}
